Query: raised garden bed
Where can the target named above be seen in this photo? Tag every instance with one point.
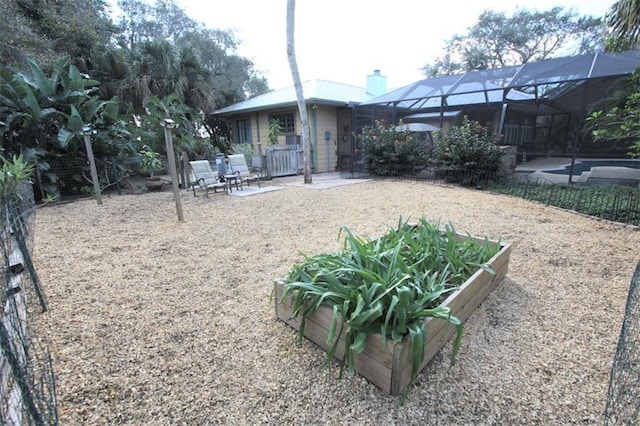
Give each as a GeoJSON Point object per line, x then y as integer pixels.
{"type": "Point", "coordinates": [385, 362]}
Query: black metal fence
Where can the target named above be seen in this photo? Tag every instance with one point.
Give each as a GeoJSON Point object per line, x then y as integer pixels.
{"type": "Point", "coordinates": [612, 202]}
{"type": "Point", "coordinates": [623, 400]}
{"type": "Point", "coordinates": [71, 177]}
{"type": "Point", "coordinates": [27, 383]}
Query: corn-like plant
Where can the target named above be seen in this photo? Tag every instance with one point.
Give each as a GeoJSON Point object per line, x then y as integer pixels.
{"type": "Point", "coordinates": [387, 286]}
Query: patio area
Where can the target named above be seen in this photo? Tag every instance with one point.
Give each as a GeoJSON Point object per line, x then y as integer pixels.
{"type": "Point", "coordinates": [555, 170]}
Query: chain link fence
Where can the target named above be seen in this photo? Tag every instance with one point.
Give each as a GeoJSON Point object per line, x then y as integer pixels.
{"type": "Point", "coordinates": [71, 177]}
{"type": "Point", "coordinates": [623, 400]}
{"type": "Point", "coordinates": [27, 382]}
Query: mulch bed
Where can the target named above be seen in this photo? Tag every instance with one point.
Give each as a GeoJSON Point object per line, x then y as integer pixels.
{"type": "Point", "coordinates": [155, 321]}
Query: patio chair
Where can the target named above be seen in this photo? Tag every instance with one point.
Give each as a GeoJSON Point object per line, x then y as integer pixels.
{"type": "Point", "coordinates": [238, 165]}
{"type": "Point", "coordinates": [205, 178]}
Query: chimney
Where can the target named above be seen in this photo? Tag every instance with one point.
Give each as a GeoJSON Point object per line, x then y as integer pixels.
{"type": "Point", "coordinates": [376, 84]}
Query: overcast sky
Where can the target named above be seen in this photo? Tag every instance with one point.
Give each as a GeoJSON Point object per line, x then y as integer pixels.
{"type": "Point", "coordinates": [345, 40]}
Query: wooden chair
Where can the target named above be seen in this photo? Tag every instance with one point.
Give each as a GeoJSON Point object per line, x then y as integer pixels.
{"type": "Point", "coordinates": [238, 165]}
{"type": "Point", "coordinates": [205, 178]}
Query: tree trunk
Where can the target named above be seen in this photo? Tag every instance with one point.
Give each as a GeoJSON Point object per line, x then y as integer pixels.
{"type": "Point", "coordinates": [302, 107]}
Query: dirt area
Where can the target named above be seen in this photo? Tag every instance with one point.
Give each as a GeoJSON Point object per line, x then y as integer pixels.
{"type": "Point", "coordinates": [156, 321]}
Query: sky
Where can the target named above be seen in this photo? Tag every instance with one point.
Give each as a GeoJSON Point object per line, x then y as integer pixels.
{"type": "Point", "coordinates": [346, 40]}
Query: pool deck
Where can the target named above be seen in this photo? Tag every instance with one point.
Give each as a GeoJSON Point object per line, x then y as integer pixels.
{"type": "Point", "coordinates": [535, 171]}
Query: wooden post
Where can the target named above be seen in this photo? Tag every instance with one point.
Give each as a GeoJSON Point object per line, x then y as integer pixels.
{"type": "Point", "coordinates": [169, 124]}
{"type": "Point", "coordinates": [187, 173]}
{"type": "Point", "coordinates": [86, 131]}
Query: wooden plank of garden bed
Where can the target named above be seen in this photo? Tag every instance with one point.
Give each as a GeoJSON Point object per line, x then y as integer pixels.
{"type": "Point", "coordinates": [374, 363]}
{"type": "Point", "coordinates": [463, 303]}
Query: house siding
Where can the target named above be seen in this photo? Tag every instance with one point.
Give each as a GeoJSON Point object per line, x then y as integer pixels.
{"type": "Point", "coordinates": [325, 120]}
{"type": "Point", "coordinates": [322, 119]}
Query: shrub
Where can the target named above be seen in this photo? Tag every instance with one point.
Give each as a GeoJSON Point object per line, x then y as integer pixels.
{"type": "Point", "coordinates": [243, 148]}
{"type": "Point", "coordinates": [468, 154]}
{"type": "Point", "coordinates": [388, 152]}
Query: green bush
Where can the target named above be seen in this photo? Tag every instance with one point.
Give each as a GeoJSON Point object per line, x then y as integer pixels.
{"type": "Point", "coordinates": [388, 152]}
{"type": "Point", "coordinates": [244, 148]}
{"type": "Point", "coordinates": [468, 154]}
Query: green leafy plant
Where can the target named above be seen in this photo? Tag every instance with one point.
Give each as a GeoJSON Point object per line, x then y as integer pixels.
{"type": "Point", "coordinates": [618, 121]}
{"type": "Point", "coordinates": [150, 162]}
{"type": "Point", "coordinates": [243, 148]}
{"type": "Point", "coordinates": [388, 152]}
{"type": "Point", "coordinates": [387, 286]}
{"type": "Point", "coordinates": [42, 116]}
{"type": "Point", "coordinates": [14, 172]}
{"type": "Point", "coordinates": [467, 154]}
{"type": "Point", "coordinates": [273, 131]}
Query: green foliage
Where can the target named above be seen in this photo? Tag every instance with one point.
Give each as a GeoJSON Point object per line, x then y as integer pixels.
{"type": "Point", "coordinates": [150, 161]}
{"type": "Point", "coordinates": [467, 154]}
{"type": "Point", "coordinates": [387, 286]}
{"type": "Point", "coordinates": [621, 118]}
{"type": "Point", "coordinates": [497, 40]}
{"type": "Point", "coordinates": [615, 203]}
{"type": "Point", "coordinates": [274, 130]}
{"type": "Point", "coordinates": [44, 30]}
{"type": "Point", "coordinates": [244, 148]}
{"type": "Point", "coordinates": [162, 51]}
{"type": "Point", "coordinates": [42, 115]}
{"type": "Point", "coordinates": [623, 20]}
{"type": "Point", "coordinates": [14, 172]}
{"type": "Point", "coordinates": [150, 131]}
{"type": "Point", "coordinates": [388, 152]}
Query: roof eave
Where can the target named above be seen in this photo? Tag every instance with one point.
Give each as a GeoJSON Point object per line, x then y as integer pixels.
{"type": "Point", "coordinates": [284, 105]}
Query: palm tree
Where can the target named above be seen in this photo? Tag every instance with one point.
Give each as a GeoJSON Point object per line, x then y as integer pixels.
{"type": "Point", "coordinates": [302, 107]}
{"type": "Point", "coordinates": [624, 21]}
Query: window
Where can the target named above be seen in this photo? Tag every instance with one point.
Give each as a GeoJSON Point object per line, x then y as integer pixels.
{"type": "Point", "coordinates": [243, 131]}
{"type": "Point", "coordinates": [287, 121]}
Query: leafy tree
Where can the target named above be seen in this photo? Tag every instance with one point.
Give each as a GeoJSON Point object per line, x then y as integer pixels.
{"type": "Point", "coordinates": [150, 132]}
{"type": "Point", "coordinates": [497, 40]}
{"type": "Point", "coordinates": [619, 118]}
{"type": "Point", "coordinates": [44, 30]}
{"type": "Point", "coordinates": [257, 85]}
{"type": "Point", "coordinates": [162, 51]}
{"type": "Point", "coordinates": [623, 20]}
{"type": "Point", "coordinates": [143, 22]}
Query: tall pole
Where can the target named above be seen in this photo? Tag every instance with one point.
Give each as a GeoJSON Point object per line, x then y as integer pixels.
{"type": "Point", "coordinates": [169, 124]}
{"type": "Point", "coordinates": [86, 132]}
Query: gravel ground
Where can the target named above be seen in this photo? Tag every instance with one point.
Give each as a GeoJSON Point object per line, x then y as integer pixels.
{"type": "Point", "coordinates": [156, 321]}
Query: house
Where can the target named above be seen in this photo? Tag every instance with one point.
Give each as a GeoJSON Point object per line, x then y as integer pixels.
{"type": "Point", "coordinates": [330, 110]}
{"type": "Point", "coordinates": [539, 108]}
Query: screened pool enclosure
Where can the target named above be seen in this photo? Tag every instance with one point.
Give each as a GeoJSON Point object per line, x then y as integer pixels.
{"type": "Point", "coordinates": [540, 107]}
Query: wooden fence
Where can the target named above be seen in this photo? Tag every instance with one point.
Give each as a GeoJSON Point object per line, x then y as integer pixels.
{"type": "Point", "coordinates": [283, 161]}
